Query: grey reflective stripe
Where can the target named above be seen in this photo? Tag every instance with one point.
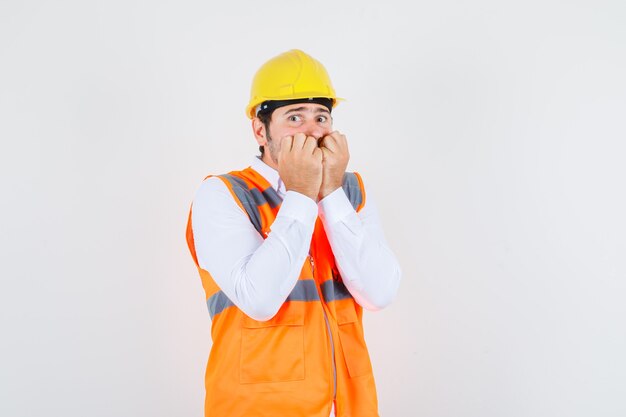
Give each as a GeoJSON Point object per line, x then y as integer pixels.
{"type": "Point", "coordinates": [269, 196]}
{"type": "Point", "coordinates": [304, 290]}
{"type": "Point", "coordinates": [352, 189]}
{"type": "Point", "coordinates": [257, 196]}
{"type": "Point", "coordinates": [217, 303]}
{"type": "Point", "coordinates": [246, 198]}
{"type": "Point", "coordinates": [334, 290]}
{"type": "Point", "coordinates": [272, 197]}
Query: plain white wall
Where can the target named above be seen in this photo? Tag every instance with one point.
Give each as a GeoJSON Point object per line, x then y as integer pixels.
{"type": "Point", "coordinates": [491, 132]}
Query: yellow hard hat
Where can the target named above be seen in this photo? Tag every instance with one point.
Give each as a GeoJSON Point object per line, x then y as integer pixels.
{"type": "Point", "coordinates": [289, 76]}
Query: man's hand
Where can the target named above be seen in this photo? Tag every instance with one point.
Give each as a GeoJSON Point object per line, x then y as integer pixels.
{"type": "Point", "coordinates": [300, 164]}
{"type": "Point", "coordinates": [335, 161]}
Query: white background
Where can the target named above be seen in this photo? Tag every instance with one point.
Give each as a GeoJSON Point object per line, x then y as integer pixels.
{"type": "Point", "coordinates": [492, 134]}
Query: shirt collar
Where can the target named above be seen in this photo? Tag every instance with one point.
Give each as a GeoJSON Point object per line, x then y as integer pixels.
{"type": "Point", "coordinates": [270, 174]}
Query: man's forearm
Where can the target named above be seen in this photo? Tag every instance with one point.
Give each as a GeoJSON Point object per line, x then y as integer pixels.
{"type": "Point", "coordinates": [256, 275]}
{"type": "Point", "coordinates": [367, 265]}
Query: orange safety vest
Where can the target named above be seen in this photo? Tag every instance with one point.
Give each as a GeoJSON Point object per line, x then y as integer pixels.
{"type": "Point", "coordinates": [311, 352]}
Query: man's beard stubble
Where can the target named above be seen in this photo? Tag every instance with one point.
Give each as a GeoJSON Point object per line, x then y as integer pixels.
{"type": "Point", "coordinates": [273, 148]}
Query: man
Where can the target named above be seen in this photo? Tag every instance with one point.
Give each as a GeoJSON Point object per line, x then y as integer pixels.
{"type": "Point", "coordinates": [290, 250]}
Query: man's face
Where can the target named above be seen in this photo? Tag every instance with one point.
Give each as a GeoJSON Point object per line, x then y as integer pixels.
{"type": "Point", "coordinates": [312, 119]}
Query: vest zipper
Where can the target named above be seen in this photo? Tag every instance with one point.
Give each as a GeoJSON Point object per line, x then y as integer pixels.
{"type": "Point", "coordinates": [330, 334]}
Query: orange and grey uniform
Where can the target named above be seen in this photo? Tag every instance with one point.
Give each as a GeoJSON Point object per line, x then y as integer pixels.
{"type": "Point", "coordinates": [310, 352]}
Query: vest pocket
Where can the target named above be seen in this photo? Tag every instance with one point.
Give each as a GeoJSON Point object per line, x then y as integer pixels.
{"type": "Point", "coordinates": [352, 341]}
{"type": "Point", "coordinates": [273, 350]}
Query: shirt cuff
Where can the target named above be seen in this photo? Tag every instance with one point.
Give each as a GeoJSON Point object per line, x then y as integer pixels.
{"type": "Point", "coordinates": [335, 206]}
{"type": "Point", "coordinates": [299, 207]}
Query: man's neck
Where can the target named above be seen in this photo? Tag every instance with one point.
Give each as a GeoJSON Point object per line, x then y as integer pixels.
{"type": "Point", "coordinates": [268, 161]}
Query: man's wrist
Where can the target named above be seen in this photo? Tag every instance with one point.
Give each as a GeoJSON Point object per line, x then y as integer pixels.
{"type": "Point", "coordinates": [299, 206]}
{"type": "Point", "coordinates": [327, 190]}
{"type": "Point", "coordinates": [335, 207]}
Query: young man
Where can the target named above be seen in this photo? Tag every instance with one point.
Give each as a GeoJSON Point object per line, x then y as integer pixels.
{"type": "Point", "coordinates": [290, 250]}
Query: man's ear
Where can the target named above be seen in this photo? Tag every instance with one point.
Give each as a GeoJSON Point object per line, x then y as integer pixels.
{"type": "Point", "coordinates": [258, 128]}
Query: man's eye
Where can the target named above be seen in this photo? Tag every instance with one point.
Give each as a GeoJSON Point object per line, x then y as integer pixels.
{"type": "Point", "coordinates": [322, 119]}
{"type": "Point", "coordinates": [294, 118]}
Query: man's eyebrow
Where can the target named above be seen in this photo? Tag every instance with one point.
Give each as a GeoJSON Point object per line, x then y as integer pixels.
{"type": "Point", "coordinates": [299, 109]}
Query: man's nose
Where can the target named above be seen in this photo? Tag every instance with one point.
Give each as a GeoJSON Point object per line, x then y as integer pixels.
{"type": "Point", "coordinates": [315, 130]}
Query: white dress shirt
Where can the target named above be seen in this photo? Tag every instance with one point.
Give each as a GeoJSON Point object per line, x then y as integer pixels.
{"type": "Point", "coordinates": [258, 274]}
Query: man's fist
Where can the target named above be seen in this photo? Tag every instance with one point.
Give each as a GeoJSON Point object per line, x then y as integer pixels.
{"type": "Point", "coordinates": [334, 148]}
{"type": "Point", "coordinates": [300, 164]}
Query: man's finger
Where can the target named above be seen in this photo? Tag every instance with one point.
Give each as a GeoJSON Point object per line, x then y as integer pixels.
{"type": "Point", "coordinates": [330, 143]}
{"type": "Point", "coordinates": [298, 140]}
{"type": "Point", "coordinates": [339, 141]}
{"type": "Point", "coordinates": [318, 153]}
{"type": "Point", "coordinates": [286, 144]}
{"type": "Point", "coordinates": [310, 144]}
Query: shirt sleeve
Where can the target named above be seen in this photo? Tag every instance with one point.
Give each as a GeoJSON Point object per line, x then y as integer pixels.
{"type": "Point", "coordinates": [369, 269]}
{"type": "Point", "coordinates": [256, 274]}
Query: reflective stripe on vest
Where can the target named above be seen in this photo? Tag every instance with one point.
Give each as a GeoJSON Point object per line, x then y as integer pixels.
{"type": "Point", "coordinates": [303, 291]}
{"type": "Point", "coordinates": [334, 290]}
{"type": "Point", "coordinates": [251, 198]}
{"type": "Point", "coordinates": [352, 189]}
